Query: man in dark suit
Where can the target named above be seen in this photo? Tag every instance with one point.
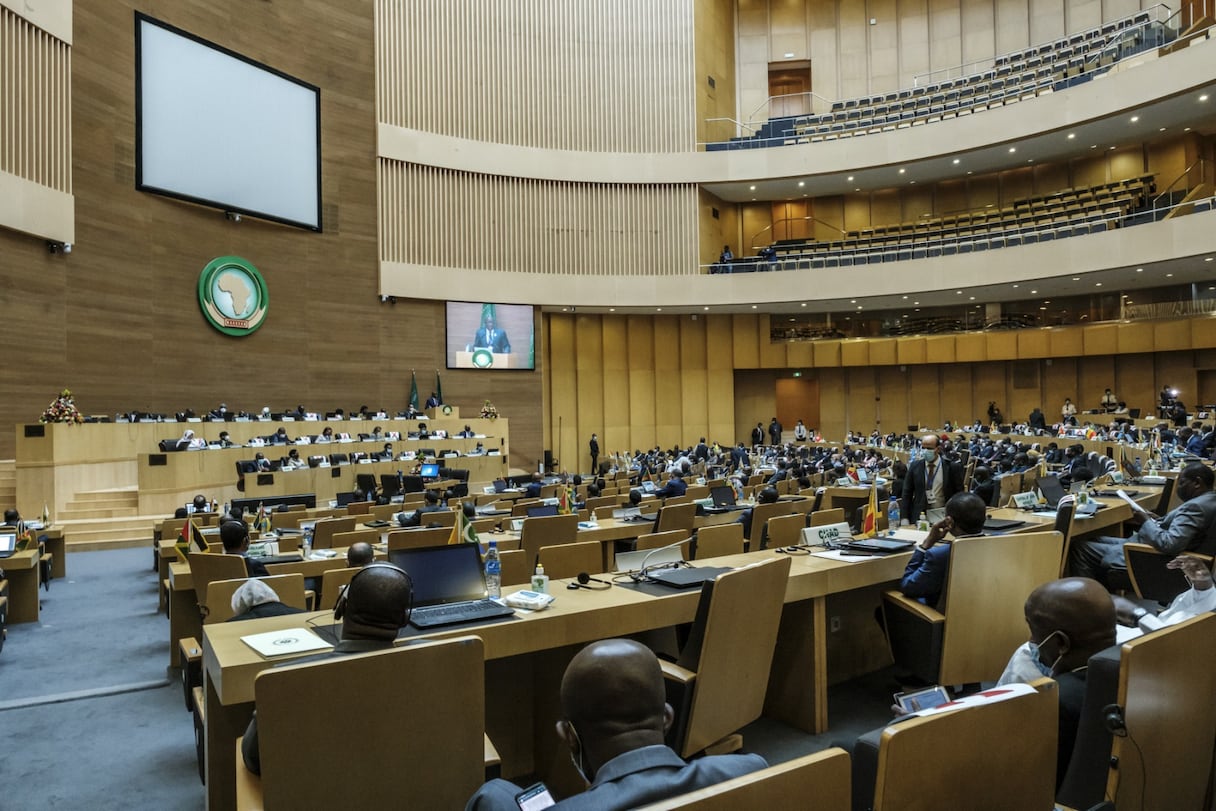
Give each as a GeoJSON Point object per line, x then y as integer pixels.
{"type": "Point", "coordinates": [594, 447]}
{"type": "Point", "coordinates": [774, 432]}
{"type": "Point", "coordinates": [534, 486]}
{"type": "Point", "coordinates": [491, 338]}
{"type": "Point", "coordinates": [675, 486]}
{"type": "Point", "coordinates": [235, 537]}
{"type": "Point", "coordinates": [614, 719]}
{"type": "Point", "coordinates": [758, 435]}
{"type": "Point", "coordinates": [932, 480]}
{"type": "Point", "coordinates": [417, 518]}
{"type": "Point", "coordinates": [432, 401]}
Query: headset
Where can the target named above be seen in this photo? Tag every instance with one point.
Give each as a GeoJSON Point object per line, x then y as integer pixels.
{"type": "Point", "coordinates": [1114, 721]}
{"type": "Point", "coordinates": [341, 604]}
{"type": "Point", "coordinates": [585, 580]}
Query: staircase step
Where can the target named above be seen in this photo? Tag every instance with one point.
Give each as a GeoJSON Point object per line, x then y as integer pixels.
{"type": "Point", "coordinates": [128, 495]}
{"type": "Point", "coordinates": [79, 514]}
{"type": "Point", "coordinates": [101, 504]}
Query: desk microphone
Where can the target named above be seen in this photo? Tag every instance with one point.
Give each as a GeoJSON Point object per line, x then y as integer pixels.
{"type": "Point", "coordinates": [644, 569]}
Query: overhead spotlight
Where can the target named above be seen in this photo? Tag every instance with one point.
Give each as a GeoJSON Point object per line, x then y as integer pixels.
{"type": "Point", "coordinates": [59, 247]}
{"type": "Point", "coordinates": [232, 216]}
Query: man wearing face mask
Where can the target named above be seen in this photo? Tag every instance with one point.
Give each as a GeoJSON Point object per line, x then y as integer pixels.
{"type": "Point", "coordinates": [1189, 528]}
{"type": "Point", "coordinates": [614, 717]}
{"type": "Point", "coordinates": [932, 480]}
{"type": "Point", "coordinates": [1070, 620]}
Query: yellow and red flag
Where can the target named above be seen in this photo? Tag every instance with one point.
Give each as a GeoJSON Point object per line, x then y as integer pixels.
{"type": "Point", "coordinates": [869, 527]}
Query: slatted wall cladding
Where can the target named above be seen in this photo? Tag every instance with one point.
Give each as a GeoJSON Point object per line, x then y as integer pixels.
{"type": "Point", "coordinates": [602, 77]}
{"type": "Point", "coordinates": [35, 104]}
{"type": "Point", "coordinates": [447, 218]}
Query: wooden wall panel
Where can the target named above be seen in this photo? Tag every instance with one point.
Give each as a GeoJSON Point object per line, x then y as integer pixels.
{"type": "Point", "coordinates": [926, 403]}
{"type": "Point", "coordinates": [854, 353]}
{"type": "Point", "coordinates": [939, 349]}
{"type": "Point", "coordinates": [1100, 339]}
{"type": "Point", "coordinates": [862, 389]}
{"type": "Point", "coordinates": [958, 401]}
{"type": "Point", "coordinates": [589, 415]}
{"type": "Point", "coordinates": [537, 226]}
{"type": "Point", "coordinates": [563, 390]}
{"type": "Point", "coordinates": [714, 54]}
{"type": "Point", "coordinates": [827, 353]}
{"type": "Point", "coordinates": [772, 355]}
{"type": "Point", "coordinates": [833, 402]}
{"type": "Point", "coordinates": [616, 435]}
{"type": "Point", "coordinates": [989, 383]}
{"type": "Point", "coordinates": [1060, 381]}
{"type": "Point", "coordinates": [1002, 345]}
{"type": "Point", "coordinates": [668, 396]}
{"type": "Point", "coordinates": [1094, 376]}
{"type": "Point", "coordinates": [896, 387]}
{"type": "Point", "coordinates": [755, 400]}
{"type": "Point", "coordinates": [746, 349]}
{"type": "Point", "coordinates": [506, 70]}
{"type": "Point", "coordinates": [1066, 342]}
{"type": "Point", "coordinates": [1134, 382]}
{"type": "Point", "coordinates": [95, 321]}
{"type": "Point", "coordinates": [1033, 343]}
{"type": "Point", "coordinates": [910, 350]}
{"type": "Point", "coordinates": [641, 381]}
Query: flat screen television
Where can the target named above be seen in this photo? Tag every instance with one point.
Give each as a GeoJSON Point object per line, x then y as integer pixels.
{"type": "Point", "coordinates": [483, 335]}
{"type": "Point", "coordinates": [216, 128]}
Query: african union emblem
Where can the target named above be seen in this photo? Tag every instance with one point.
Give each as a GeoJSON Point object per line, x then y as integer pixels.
{"type": "Point", "coordinates": [233, 296]}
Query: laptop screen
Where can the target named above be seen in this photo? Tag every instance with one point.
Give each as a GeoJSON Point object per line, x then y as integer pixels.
{"type": "Point", "coordinates": [8, 541]}
{"type": "Point", "coordinates": [1051, 489]}
{"type": "Point", "coordinates": [499, 485]}
{"type": "Point", "coordinates": [443, 574]}
{"type": "Point", "coordinates": [723, 496]}
{"type": "Point", "coordinates": [543, 511]}
{"type": "Point", "coordinates": [430, 471]}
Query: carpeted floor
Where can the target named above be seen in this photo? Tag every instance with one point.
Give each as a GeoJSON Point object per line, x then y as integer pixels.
{"type": "Point", "coordinates": [94, 720]}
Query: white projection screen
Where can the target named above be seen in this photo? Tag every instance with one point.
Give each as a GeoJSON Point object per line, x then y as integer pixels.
{"type": "Point", "coordinates": [215, 128]}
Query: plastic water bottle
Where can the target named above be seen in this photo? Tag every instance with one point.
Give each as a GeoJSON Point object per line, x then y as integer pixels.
{"type": "Point", "coordinates": [493, 571]}
{"type": "Point", "coordinates": [892, 516]}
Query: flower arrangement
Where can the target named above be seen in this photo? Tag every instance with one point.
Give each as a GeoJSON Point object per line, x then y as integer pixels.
{"type": "Point", "coordinates": [62, 409]}
{"type": "Point", "coordinates": [488, 411]}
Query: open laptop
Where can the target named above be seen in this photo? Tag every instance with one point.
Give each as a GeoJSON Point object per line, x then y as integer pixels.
{"type": "Point", "coordinates": [648, 486]}
{"type": "Point", "coordinates": [8, 544]}
{"type": "Point", "coordinates": [1051, 489]}
{"type": "Point", "coordinates": [429, 471]}
{"type": "Point", "coordinates": [542, 511]}
{"type": "Point", "coordinates": [500, 486]}
{"type": "Point", "coordinates": [449, 586]}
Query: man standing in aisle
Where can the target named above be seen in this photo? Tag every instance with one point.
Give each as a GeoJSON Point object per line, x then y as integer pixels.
{"type": "Point", "coordinates": [932, 480]}
{"type": "Point", "coordinates": [774, 432]}
{"type": "Point", "coordinates": [594, 447]}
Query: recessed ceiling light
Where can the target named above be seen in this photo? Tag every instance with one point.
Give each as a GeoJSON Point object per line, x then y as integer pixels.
{"type": "Point", "coordinates": [905, 298]}
{"type": "Point", "coordinates": [856, 189]}
{"type": "Point", "coordinates": [1097, 284]}
{"type": "Point", "coordinates": [850, 177]}
{"type": "Point", "coordinates": [707, 308]}
{"type": "Point", "coordinates": [1042, 308]}
{"type": "Point", "coordinates": [753, 306]}
{"type": "Point", "coordinates": [968, 171]}
{"type": "Point", "coordinates": [1034, 292]}
{"type": "Point", "coordinates": [804, 304]}
{"type": "Point", "coordinates": [1112, 149]}
{"type": "Point", "coordinates": [1188, 129]}
{"type": "Point", "coordinates": [789, 56]}
{"type": "Point", "coordinates": [918, 309]}
{"type": "Point", "coordinates": [916, 302]}
{"type": "Point", "coordinates": [1209, 259]}
{"type": "Point", "coordinates": [792, 318]}
{"type": "Point", "coordinates": [658, 309]}
{"type": "Point", "coordinates": [1030, 160]}
{"type": "Point", "coordinates": [1169, 275]}
{"type": "Point", "coordinates": [1076, 278]}
{"type": "Point", "coordinates": [1016, 285]}
{"type": "Point", "coordinates": [1204, 97]}
{"type": "Point", "coordinates": [801, 183]}
{"type": "Point", "coordinates": [1071, 135]}
{"type": "Point", "coordinates": [859, 306]}
{"type": "Point", "coordinates": [751, 188]}
{"type": "Point", "coordinates": [1094, 146]}
{"type": "Point", "coordinates": [901, 171]}
{"type": "Point", "coordinates": [973, 298]}
{"type": "Point", "coordinates": [612, 309]}
{"type": "Point", "coordinates": [852, 301]}
{"type": "Point", "coordinates": [956, 161]}
{"type": "Point", "coordinates": [1135, 118]}
{"type": "Point", "coordinates": [911, 182]}
{"type": "Point", "coordinates": [1161, 130]}
{"type": "Point", "coordinates": [1141, 270]}
{"type": "Point", "coordinates": [958, 292]}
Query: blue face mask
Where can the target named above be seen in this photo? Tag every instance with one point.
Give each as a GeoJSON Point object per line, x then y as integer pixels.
{"type": "Point", "coordinates": [1034, 648]}
{"type": "Point", "coordinates": [928, 454]}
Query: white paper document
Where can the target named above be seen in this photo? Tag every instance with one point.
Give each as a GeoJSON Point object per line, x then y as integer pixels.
{"type": "Point", "coordinates": [1130, 501]}
{"type": "Point", "coordinates": [288, 641]}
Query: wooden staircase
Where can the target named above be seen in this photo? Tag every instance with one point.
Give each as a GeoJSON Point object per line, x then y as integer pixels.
{"type": "Point", "coordinates": [105, 519]}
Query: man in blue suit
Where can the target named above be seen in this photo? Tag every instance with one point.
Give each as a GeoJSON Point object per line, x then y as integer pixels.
{"type": "Point", "coordinates": [491, 338]}
{"type": "Point", "coordinates": [925, 576]}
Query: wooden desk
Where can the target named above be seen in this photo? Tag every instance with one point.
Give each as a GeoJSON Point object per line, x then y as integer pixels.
{"type": "Point", "coordinates": [22, 571]}
{"type": "Point", "coordinates": [525, 657]}
{"type": "Point", "coordinates": [57, 546]}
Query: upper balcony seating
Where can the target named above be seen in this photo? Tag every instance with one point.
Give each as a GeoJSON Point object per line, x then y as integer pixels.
{"type": "Point", "coordinates": [1013, 77]}
{"type": "Point", "coordinates": [1074, 212]}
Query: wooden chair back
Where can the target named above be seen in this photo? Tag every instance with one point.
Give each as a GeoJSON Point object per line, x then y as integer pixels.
{"type": "Point", "coordinates": [697, 491]}
{"type": "Point", "coordinates": [324, 530]}
{"type": "Point", "coordinates": [441, 760]}
{"type": "Point", "coordinates": [802, 505]}
{"type": "Point", "coordinates": [568, 559]}
{"type": "Point", "coordinates": [547, 531]}
{"type": "Point", "coordinates": [1010, 483]}
{"type": "Point", "coordinates": [332, 583]}
{"type": "Point", "coordinates": [418, 538]}
{"type": "Point", "coordinates": [360, 507]}
{"type": "Point", "coordinates": [289, 587]}
{"type": "Point", "coordinates": [823, 775]}
{"type": "Point", "coordinates": [1166, 681]}
{"type": "Point", "coordinates": [785, 530]}
{"type": "Point", "coordinates": [761, 514]}
{"type": "Point", "coordinates": [676, 516]}
{"type": "Point", "coordinates": [171, 528]}
{"type": "Point", "coordinates": [344, 539]}
{"type": "Point", "coordinates": [601, 501]}
{"type": "Point", "coordinates": [438, 518]}
{"type": "Point", "coordinates": [481, 525]}
{"type": "Point", "coordinates": [520, 508]}
{"type": "Point", "coordinates": [1022, 728]}
{"type": "Point", "coordinates": [657, 540]}
{"type": "Point", "coordinates": [1065, 512]}
{"type": "Point", "coordinates": [719, 540]}
{"type": "Point", "coordinates": [738, 618]}
{"type": "Point", "coordinates": [985, 617]}
{"type": "Point", "coordinates": [1146, 567]}
{"type": "Point", "coordinates": [516, 569]}
{"type": "Point", "coordinates": [385, 512]}
{"type": "Point", "coordinates": [208, 567]}
{"type": "Point", "coordinates": [821, 518]}
{"type": "Point", "coordinates": [284, 519]}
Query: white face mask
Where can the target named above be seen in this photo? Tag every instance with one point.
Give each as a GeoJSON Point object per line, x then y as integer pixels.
{"type": "Point", "coordinates": [1034, 648]}
{"type": "Point", "coordinates": [577, 759]}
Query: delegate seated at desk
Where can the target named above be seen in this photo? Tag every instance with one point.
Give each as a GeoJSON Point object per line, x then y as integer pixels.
{"type": "Point", "coordinates": [416, 518]}
{"type": "Point", "coordinates": [491, 338]}
{"type": "Point", "coordinates": [374, 607]}
{"type": "Point", "coordinates": [614, 718]}
{"type": "Point", "coordinates": [235, 537]}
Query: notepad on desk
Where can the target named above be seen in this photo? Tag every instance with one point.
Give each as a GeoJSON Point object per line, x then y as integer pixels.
{"type": "Point", "coordinates": [285, 642]}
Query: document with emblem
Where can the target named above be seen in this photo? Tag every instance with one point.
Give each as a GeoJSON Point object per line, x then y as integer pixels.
{"type": "Point", "coordinates": [288, 641]}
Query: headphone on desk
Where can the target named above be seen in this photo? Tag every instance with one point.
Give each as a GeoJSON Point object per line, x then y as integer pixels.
{"type": "Point", "coordinates": [341, 604]}
{"type": "Point", "coordinates": [584, 581]}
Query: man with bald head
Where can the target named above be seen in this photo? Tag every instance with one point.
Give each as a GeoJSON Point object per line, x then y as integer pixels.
{"type": "Point", "coordinates": [614, 719]}
{"type": "Point", "coordinates": [360, 554]}
{"type": "Point", "coordinates": [1069, 620]}
{"type": "Point", "coordinates": [931, 481]}
{"type": "Point", "coordinates": [373, 608]}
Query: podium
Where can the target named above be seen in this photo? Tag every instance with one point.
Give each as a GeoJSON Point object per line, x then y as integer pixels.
{"type": "Point", "coordinates": [485, 359]}
{"type": "Point", "coordinates": [437, 412]}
